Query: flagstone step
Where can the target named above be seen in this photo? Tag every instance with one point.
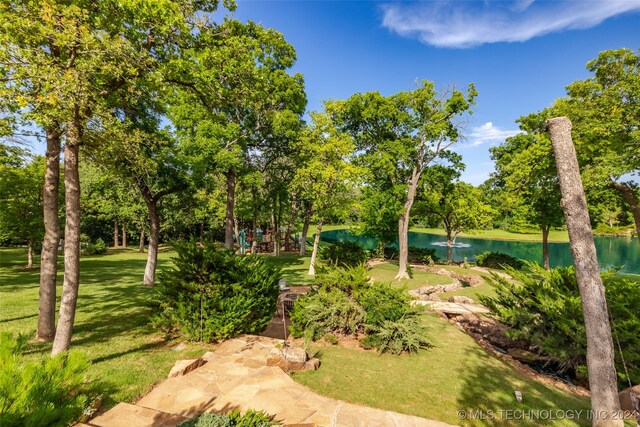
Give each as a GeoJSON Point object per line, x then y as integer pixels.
{"type": "Point", "coordinates": [127, 415]}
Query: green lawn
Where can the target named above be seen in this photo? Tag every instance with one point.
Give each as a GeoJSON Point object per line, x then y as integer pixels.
{"type": "Point", "coordinates": [112, 320]}
{"type": "Point", "coordinates": [387, 272]}
{"type": "Point", "coordinates": [454, 375]}
{"type": "Point", "coordinates": [112, 328]}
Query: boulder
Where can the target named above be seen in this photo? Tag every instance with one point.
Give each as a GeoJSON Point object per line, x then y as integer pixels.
{"type": "Point", "coordinates": [288, 358]}
{"type": "Point", "coordinates": [184, 366]}
{"type": "Point", "coordinates": [626, 399]}
{"type": "Point", "coordinates": [459, 299]}
{"type": "Point", "coordinates": [522, 355]}
{"type": "Point", "coordinates": [312, 364]}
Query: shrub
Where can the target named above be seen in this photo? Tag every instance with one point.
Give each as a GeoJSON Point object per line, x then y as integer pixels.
{"type": "Point", "coordinates": [52, 391]}
{"type": "Point", "coordinates": [89, 248]}
{"type": "Point", "coordinates": [498, 260]}
{"type": "Point", "coordinates": [381, 303]}
{"type": "Point", "coordinates": [214, 294]}
{"type": "Point", "coordinates": [544, 309]}
{"type": "Point", "coordinates": [327, 311]}
{"type": "Point", "coordinates": [398, 336]}
{"type": "Point", "coordinates": [251, 418]}
{"type": "Point", "coordinates": [344, 254]}
{"type": "Point", "coordinates": [347, 303]}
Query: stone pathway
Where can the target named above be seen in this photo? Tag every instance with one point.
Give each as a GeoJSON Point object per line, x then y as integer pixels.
{"type": "Point", "coordinates": [235, 376]}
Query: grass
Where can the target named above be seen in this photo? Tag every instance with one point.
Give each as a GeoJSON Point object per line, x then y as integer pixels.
{"type": "Point", "coordinates": [497, 234]}
{"type": "Point", "coordinates": [387, 272]}
{"type": "Point", "coordinates": [128, 356]}
{"type": "Point", "coordinates": [112, 320]}
{"type": "Point", "coordinates": [456, 374]}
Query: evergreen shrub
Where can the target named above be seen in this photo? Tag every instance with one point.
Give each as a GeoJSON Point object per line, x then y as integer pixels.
{"type": "Point", "coordinates": [214, 294]}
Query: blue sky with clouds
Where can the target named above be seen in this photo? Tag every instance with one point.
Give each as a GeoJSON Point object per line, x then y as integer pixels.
{"type": "Point", "coordinates": [520, 54]}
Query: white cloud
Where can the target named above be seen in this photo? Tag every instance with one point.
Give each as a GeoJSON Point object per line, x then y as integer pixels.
{"type": "Point", "coordinates": [490, 133]}
{"type": "Point", "coordinates": [461, 24]}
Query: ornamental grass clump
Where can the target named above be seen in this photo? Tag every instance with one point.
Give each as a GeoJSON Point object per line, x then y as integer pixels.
{"type": "Point", "coordinates": [347, 303]}
{"type": "Point", "coordinates": [214, 294]}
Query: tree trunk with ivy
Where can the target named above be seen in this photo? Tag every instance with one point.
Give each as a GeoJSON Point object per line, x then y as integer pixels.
{"type": "Point", "coordinates": [600, 350]}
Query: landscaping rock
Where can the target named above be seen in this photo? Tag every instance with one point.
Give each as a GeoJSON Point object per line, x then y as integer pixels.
{"type": "Point", "coordinates": [626, 399]}
{"type": "Point", "coordinates": [312, 364]}
{"type": "Point", "coordinates": [522, 355]}
{"type": "Point", "coordinates": [461, 299]}
{"type": "Point", "coordinates": [289, 358]}
{"type": "Point", "coordinates": [184, 366]}
{"type": "Point", "coordinates": [425, 291]}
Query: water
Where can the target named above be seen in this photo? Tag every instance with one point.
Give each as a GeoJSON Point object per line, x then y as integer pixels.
{"type": "Point", "coordinates": [612, 251]}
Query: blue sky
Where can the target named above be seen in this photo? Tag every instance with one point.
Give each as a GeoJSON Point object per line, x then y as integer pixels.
{"type": "Point", "coordinates": [520, 54]}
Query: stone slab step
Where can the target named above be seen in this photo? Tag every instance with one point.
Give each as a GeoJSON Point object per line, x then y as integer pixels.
{"type": "Point", "coordinates": [127, 415]}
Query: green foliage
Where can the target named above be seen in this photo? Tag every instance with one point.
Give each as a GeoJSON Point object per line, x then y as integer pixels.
{"type": "Point", "coordinates": [498, 260]}
{"type": "Point", "coordinates": [344, 254]}
{"type": "Point", "coordinates": [544, 309]}
{"type": "Point", "coordinates": [250, 418]}
{"type": "Point", "coordinates": [347, 303]}
{"type": "Point", "coordinates": [214, 294]}
{"type": "Point", "coordinates": [98, 247]}
{"type": "Point", "coordinates": [327, 311]}
{"type": "Point", "coordinates": [21, 218]}
{"type": "Point", "coordinates": [403, 335]}
{"type": "Point", "coordinates": [47, 392]}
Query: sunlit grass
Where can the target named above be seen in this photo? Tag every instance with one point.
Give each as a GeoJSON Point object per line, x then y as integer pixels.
{"type": "Point", "coordinates": [456, 374]}
{"type": "Point", "coordinates": [112, 319]}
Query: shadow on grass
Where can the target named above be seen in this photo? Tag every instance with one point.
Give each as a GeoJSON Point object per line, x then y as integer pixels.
{"type": "Point", "coordinates": [488, 398]}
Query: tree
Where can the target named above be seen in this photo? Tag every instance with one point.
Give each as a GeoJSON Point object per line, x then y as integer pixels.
{"type": "Point", "coordinates": [603, 109]}
{"type": "Point", "coordinates": [398, 136]}
{"type": "Point", "coordinates": [456, 205]}
{"type": "Point", "coordinates": [21, 196]}
{"type": "Point", "coordinates": [65, 59]}
{"type": "Point", "coordinates": [526, 169]}
{"type": "Point", "coordinates": [326, 175]}
{"type": "Point", "coordinates": [600, 352]}
{"type": "Point", "coordinates": [234, 95]}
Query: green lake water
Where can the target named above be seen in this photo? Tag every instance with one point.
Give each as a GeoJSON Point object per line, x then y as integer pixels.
{"type": "Point", "coordinates": [618, 252]}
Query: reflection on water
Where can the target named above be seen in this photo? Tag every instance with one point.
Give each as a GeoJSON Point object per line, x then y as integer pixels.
{"type": "Point", "coordinates": [612, 251]}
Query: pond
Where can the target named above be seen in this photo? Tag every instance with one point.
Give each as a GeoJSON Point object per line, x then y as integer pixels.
{"type": "Point", "coordinates": [612, 251]}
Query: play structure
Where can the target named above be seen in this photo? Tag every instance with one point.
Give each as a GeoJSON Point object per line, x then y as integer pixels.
{"type": "Point", "coordinates": [264, 241]}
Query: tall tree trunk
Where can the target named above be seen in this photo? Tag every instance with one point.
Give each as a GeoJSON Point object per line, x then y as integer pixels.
{"type": "Point", "coordinates": [314, 253]}
{"type": "Point", "coordinates": [49, 255]}
{"type": "Point", "coordinates": [305, 229]}
{"type": "Point", "coordinates": [292, 213]}
{"type": "Point", "coordinates": [64, 331]}
{"type": "Point", "coordinates": [141, 248]}
{"type": "Point", "coordinates": [30, 253]}
{"type": "Point", "coordinates": [276, 232]}
{"type": "Point", "coordinates": [115, 234]}
{"type": "Point", "coordinates": [154, 239]}
{"type": "Point", "coordinates": [600, 354]}
{"type": "Point", "coordinates": [403, 227]}
{"type": "Point", "coordinates": [632, 200]}
{"type": "Point", "coordinates": [449, 245]}
{"type": "Point", "coordinates": [124, 235]}
{"type": "Point", "coordinates": [545, 247]}
{"type": "Point", "coordinates": [231, 202]}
